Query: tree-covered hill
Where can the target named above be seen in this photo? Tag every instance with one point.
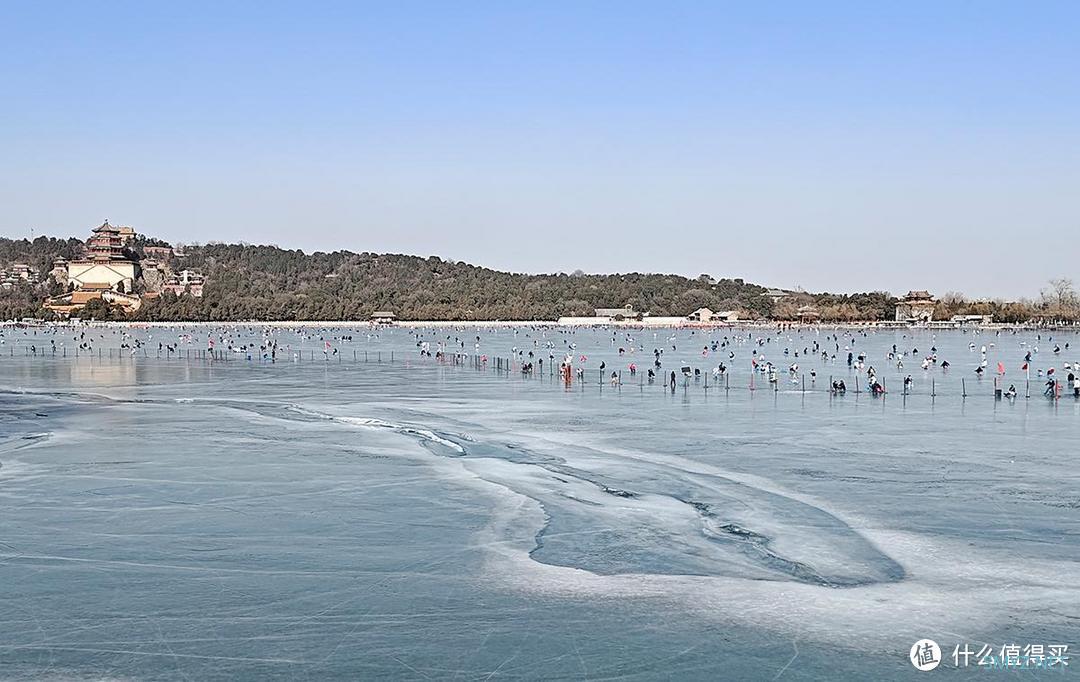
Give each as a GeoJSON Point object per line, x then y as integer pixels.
{"type": "Point", "coordinates": [246, 282]}
{"type": "Point", "coordinates": [269, 283]}
{"type": "Point", "coordinates": [24, 299]}
{"type": "Point", "coordinates": [39, 253]}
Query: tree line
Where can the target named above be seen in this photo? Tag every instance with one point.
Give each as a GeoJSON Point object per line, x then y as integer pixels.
{"type": "Point", "coordinates": [253, 282]}
{"type": "Point", "coordinates": [270, 283]}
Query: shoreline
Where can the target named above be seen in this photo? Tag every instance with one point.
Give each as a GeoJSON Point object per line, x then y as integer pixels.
{"type": "Point", "coordinates": [665, 323]}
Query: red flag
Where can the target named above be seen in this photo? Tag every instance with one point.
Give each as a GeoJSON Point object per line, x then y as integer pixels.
{"type": "Point", "coordinates": [1025, 367]}
{"type": "Point", "coordinates": [1001, 368]}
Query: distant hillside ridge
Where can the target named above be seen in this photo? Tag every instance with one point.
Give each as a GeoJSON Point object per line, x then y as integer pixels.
{"type": "Point", "coordinates": [263, 282]}
{"type": "Point", "coordinates": [267, 282]}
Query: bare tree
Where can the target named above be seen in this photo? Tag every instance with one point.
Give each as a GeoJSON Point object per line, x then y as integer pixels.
{"type": "Point", "coordinates": [1060, 300]}
{"type": "Point", "coordinates": [1062, 292]}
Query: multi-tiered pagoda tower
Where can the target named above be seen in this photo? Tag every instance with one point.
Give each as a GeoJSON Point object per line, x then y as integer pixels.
{"type": "Point", "coordinates": [105, 244]}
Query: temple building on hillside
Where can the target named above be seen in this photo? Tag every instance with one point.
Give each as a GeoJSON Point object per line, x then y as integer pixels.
{"type": "Point", "coordinates": [106, 261]}
{"type": "Point", "coordinates": [917, 307]}
{"type": "Point", "coordinates": [105, 271]}
{"type": "Point", "coordinates": [20, 272]}
{"type": "Point", "coordinates": [59, 271]}
{"type": "Point", "coordinates": [161, 253]}
{"type": "Point", "coordinates": [185, 282]}
{"type": "Point", "coordinates": [27, 273]}
{"type": "Point", "coordinates": [154, 275]}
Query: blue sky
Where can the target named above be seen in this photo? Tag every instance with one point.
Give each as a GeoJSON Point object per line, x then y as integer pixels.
{"type": "Point", "coordinates": [834, 146]}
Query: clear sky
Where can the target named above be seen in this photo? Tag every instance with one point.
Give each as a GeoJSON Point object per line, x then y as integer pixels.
{"type": "Point", "coordinates": [842, 146]}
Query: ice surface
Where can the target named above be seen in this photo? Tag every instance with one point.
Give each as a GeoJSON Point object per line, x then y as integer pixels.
{"type": "Point", "coordinates": [323, 516]}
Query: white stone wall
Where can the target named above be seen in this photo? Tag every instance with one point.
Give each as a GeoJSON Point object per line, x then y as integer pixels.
{"type": "Point", "coordinates": [113, 273]}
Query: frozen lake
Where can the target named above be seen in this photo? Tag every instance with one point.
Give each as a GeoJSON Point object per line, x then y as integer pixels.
{"type": "Point", "coordinates": [336, 514]}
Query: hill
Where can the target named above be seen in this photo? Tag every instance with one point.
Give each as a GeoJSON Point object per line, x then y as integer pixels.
{"type": "Point", "coordinates": [250, 282]}
{"type": "Point", "coordinates": [267, 282]}
{"type": "Point", "coordinates": [247, 282]}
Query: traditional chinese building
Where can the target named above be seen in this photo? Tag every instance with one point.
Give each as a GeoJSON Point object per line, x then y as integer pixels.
{"type": "Point", "coordinates": [20, 272]}
{"type": "Point", "coordinates": [808, 314]}
{"type": "Point", "coordinates": [25, 272]}
{"type": "Point", "coordinates": [917, 307]}
{"type": "Point", "coordinates": [105, 261]}
{"type": "Point", "coordinates": [59, 270]}
{"type": "Point", "coordinates": [161, 253]}
{"type": "Point", "coordinates": [186, 282]}
{"type": "Point", "coordinates": [104, 271]}
{"type": "Point", "coordinates": [73, 301]}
